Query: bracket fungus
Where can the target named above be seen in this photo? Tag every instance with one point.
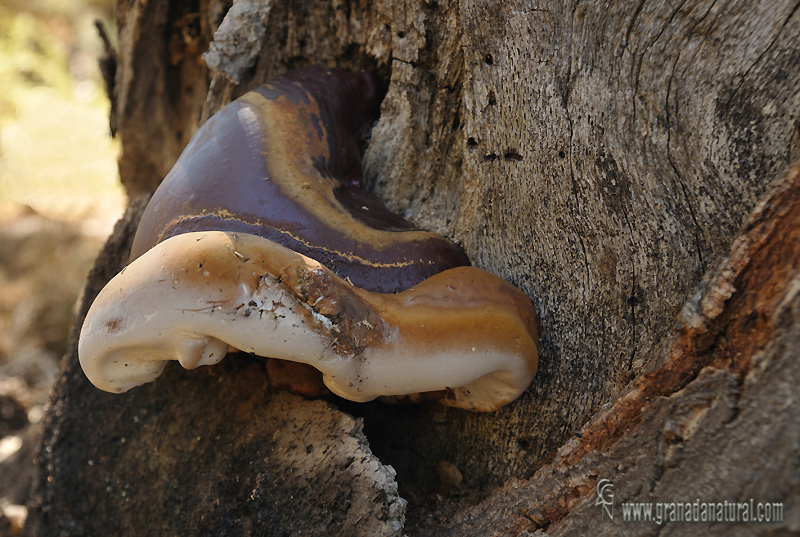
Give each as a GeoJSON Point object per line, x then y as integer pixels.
{"type": "Point", "coordinates": [262, 239]}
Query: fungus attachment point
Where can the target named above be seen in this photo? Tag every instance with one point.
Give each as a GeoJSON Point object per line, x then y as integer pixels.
{"type": "Point", "coordinates": [463, 332]}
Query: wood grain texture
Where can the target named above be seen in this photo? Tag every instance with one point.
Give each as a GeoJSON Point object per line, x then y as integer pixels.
{"type": "Point", "coordinates": [604, 157]}
{"type": "Point", "coordinates": [713, 419]}
{"type": "Point", "coordinates": [160, 84]}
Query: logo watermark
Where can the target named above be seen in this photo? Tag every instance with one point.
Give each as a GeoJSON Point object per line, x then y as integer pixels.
{"type": "Point", "coordinates": [605, 498]}
{"type": "Point", "coordinates": [691, 511]}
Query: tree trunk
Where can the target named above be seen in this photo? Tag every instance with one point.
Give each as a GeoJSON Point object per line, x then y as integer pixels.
{"type": "Point", "coordinates": [602, 157]}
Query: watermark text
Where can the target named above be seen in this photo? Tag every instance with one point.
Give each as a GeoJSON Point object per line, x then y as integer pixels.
{"type": "Point", "coordinates": [693, 511]}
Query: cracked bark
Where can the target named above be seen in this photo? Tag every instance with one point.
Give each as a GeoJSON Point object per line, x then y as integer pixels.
{"type": "Point", "coordinates": [723, 380]}
{"type": "Point", "coordinates": [599, 155]}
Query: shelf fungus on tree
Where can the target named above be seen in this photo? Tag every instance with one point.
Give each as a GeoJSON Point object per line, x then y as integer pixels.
{"type": "Point", "coordinates": [262, 239]}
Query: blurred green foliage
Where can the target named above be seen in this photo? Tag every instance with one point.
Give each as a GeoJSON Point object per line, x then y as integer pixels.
{"type": "Point", "coordinates": [29, 57]}
{"type": "Point", "coordinates": [55, 152]}
{"type": "Point", "coordinates": [38, 41]}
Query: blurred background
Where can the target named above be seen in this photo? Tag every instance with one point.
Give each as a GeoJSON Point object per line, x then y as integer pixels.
{"type": "Point", "coordinates": [59, 199]}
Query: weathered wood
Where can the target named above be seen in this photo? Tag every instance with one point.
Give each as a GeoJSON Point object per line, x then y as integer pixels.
{"type": "Point", "coordinates": [714, 419]}
{"type": "Point", "coordinates": [601, 156]}
{"type": "Point", "coordinates": [160, 84]}
{"type": "Point", "coordinates": [606, 156]}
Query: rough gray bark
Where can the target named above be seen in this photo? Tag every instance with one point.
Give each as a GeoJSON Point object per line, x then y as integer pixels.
{"type": "Point", "coordinates": [600, 156]}
{"type": "Point", "coordinates": [713, 419]}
